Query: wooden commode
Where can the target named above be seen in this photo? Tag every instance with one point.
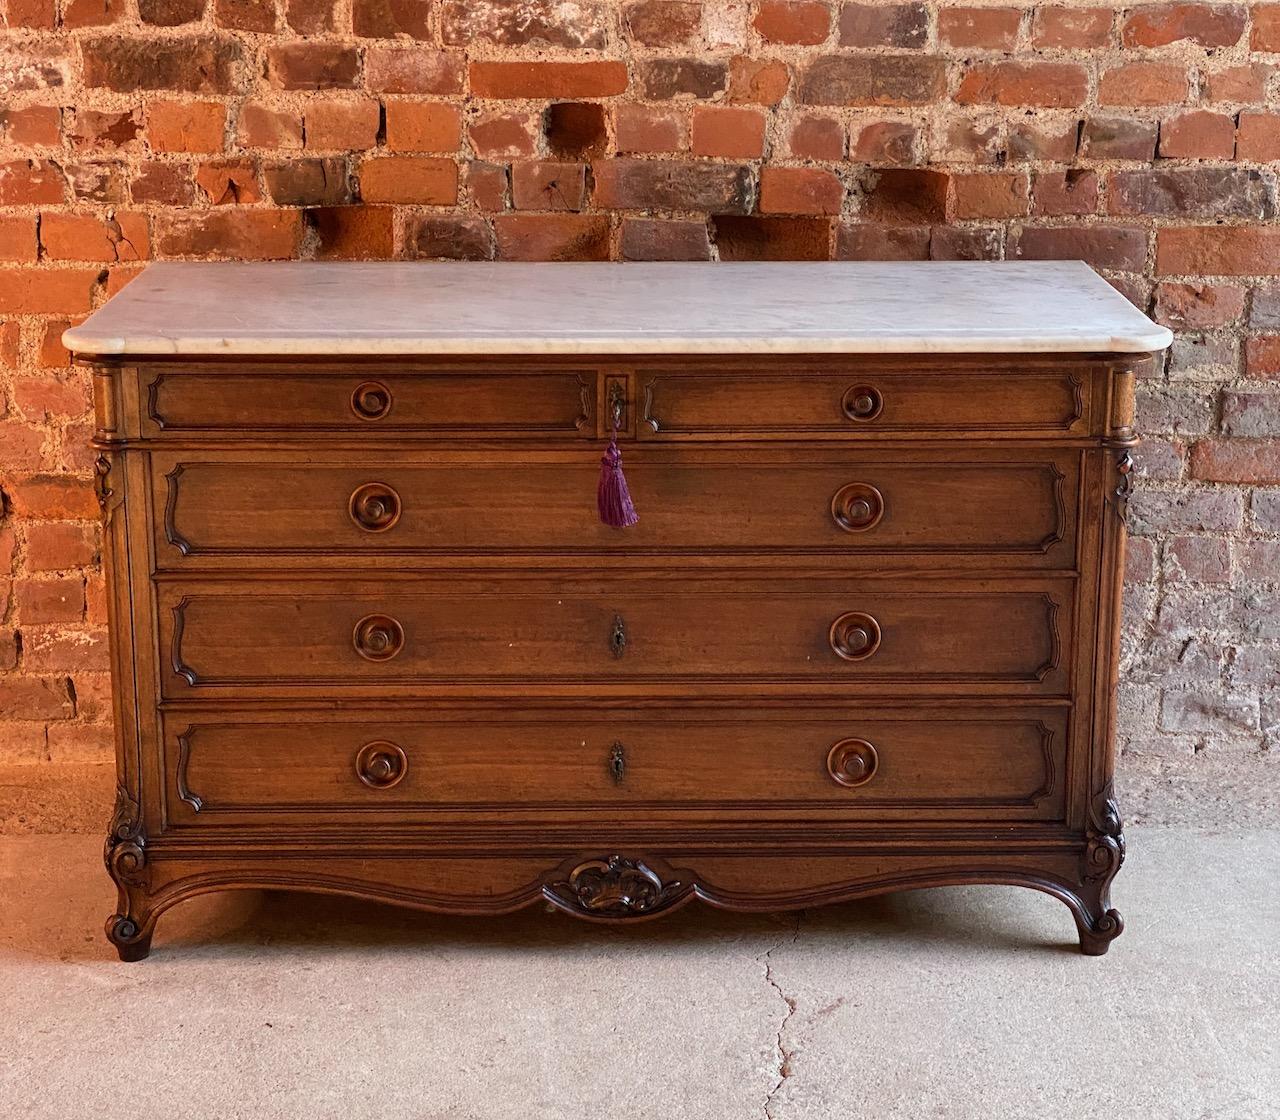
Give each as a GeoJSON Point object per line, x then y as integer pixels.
{"type": "Point", "coordinates": [370, 635]}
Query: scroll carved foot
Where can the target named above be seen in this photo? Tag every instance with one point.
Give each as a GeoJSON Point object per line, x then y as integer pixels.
{"type": "Point", "coordinates": [1098, 922]}
{"type": "Point", "coordinates": [131, 937]}
{"type": "Point", "coordinates": [1097, 933]}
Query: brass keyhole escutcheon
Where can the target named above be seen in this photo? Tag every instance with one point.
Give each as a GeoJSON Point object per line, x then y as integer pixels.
{"type": "Point", "coordinates": [857, 507]}
{"type": "Point", "coordinates": [618, 636]}
{"type": "Point", "coordinates": [855, 636]}
{"type": "Point", "coordinates": [862, 402]}
{"type": "Point", "coordinates": [381, 764]}
{"type": "Point", "coordinates": [378, 637]}
{"type": "Point", "coordinates": [374, 507]}
{"type": "Point", "coordinates": [617, 762]}
{"type": "Point", "coordinates": [852, 762]}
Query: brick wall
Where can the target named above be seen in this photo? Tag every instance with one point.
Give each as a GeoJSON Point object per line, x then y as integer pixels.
{"type": "Point", "coordinates": [1143, 140]}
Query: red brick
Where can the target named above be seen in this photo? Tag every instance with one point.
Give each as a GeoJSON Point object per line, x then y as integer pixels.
{"type": "Point", "coordinates": [186, 126]}
{"type": "Point", "coordinates": [541, 185]}
{"type": "Point", "coordinates": [907, 194]}
{"type": "Point", "coordinates": [1061, 194]}
{"type": "Point", "coordinates": [448, 238]}
{"type": "Point", "coordinates": [634, 184]}
{"type": "Point", "coordinates": [41, 601]}
{"type": "Point", "coordinates": [799, 190]}
{"type": "Point", "coordinates": [1218, 251]}
{"type": "Point", "coordinates": [641, 128]}
{"type": "Point", "coordinates": [352, 233]}
{"type": "Point", "coordinates": [668, 79]}
{"type": "Point", "coordinates": [21, 449]}
{"type": "Point", "coordinates": [388, 19]}
{"type": "Point", "coordinates": [229, 182]}
{"type": "Point", "coordinates": [91, 130]}
{"type": "Point", "coordinates": [1252, 461]}
{"type": "Point", "coordinates": [10, 338]}
{"type": "Point", "coordinates": [230, 234]}
{"type": "Point", "coordinates": [1122, 248]}
{"type": "Point", "coordinates": [323, 181]}
{"type": "Point", "coordinates": [1143, 83]}
{"type": "Point", "coordinates": [412, 70]}
{"type": "Point", "coordinates": [1051, 139]}
{"type": "Point", "coordinates": [662, 23]}
{"type": "Point", "coordinates": [166, 183]}
{"type": "Point", "coordinates": [1190, 307]}
{"type": "Point", "coordinates": [312, 65]}
{"type": "Point", "coordinates": [189, 64]}
{"type": "Point", "coordinates": [311, 17]}
{"type": "Point", "coordinates": [754, 81]}
{"type": "Point", "coordinates": [39, 15]}
{"type": "Point", "coordinates": [1266, 28]}
{"type": "Point", "coordinates": [883, 79]}
{"type": "Point", "coordinates": [552, 237]}
{"type": "Point", "coordinates": [1246, 83]}
{"type": "Point", "coordinates": [83, 650]}
{"type": "Point", "coordinates": [991, 195]}
{"type": "Point", "coordinates": [886, 142]}
{"type": "Point", "coordinates": [57, 546]}
{"type": "Point", "coordinates": [264, 127]}
{"type": "Point", "coordinates": [884, 25]}
{"type": "Point", "coordinates": [423, 126]}
{"type": "Point", "coordinates": [170, 13]}
{"type": "Point", "coordinates": [505, 136]}
{"type": "Point", "coordinates": [1118, 138]}
{"type": "Point", "coordinates": [27, 698]}
{"type": "Point", "coordinates": [1259, 137]}
{"type": "Point", "coordinates": [548, 79]}
{"type": "Point", "coordinates": [644, 239]}
{"type": "Point", "coordinates": [245, 15]}
{"type": "Point", "coordinates": [816, 138]}
{"type": "Point", "coordinates": [757, 238]}
{"type": "Point", "coordinates": [1262, 356]}
{"type": "Point", "coordinates": [31, 125]}
{"type": "Point", "coordinates": [413, 180]}
{"type": "Point", "coordinates": [46, 291]}
{"type": "Point", "coordinates": [518, 23]}
{"type": "Point", "coordinates": [52, 353]}
{"type": "Point", "coordinates": [1198, 134]}
{"type": "Point", "coordinates": [1045, 84]}
{"type": "Point", "coordinates": [968, 243]}
{"type": "Point", "coordinates": [1071, 29]}
{"type": "Point", "coordinates": [53, 498]}
{"type": "Point", "coordinates": [575, 129]}
{"type": "Point", "coordinates": [981, 28]}
{"type": "Point", "coordinates": [91, 13]}
{"type": "Point", "coordinates": [1190, 191]}
{"type": "Point", "coordinates": [728, 132]}
{"type": "Point", "coordinates": [341, 125]}
{"type": "Point", "coordinates": [882, 243]}
{"type": "Point", "coordinates": [1206, 25]}
{"type": "Point", "coordinates": [487, 186]}
{"type": "Point", "coordinates": [18, 237]}
{"type": "Point", "coordinates": [86, 237]}
{"type": "Point", "coordinates": [31, 182]}
{"type": "Point", "coordinates": [800, 22]}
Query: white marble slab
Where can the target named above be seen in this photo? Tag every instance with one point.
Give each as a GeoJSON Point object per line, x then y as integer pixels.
{"type": "Point", "coordinates": [508, 308]}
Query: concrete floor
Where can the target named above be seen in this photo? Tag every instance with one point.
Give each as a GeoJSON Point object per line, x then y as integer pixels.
{"type": "Point", "coordinates": [958, 1003]}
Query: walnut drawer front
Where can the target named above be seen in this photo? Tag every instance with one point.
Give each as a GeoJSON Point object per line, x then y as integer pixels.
{"type": "Point", "coordinates": [524, 404]}
{"type": "Point", "coordinates": [679, 403]}
{"type": "Point", "coordinates": [1016, 507]}
{"type": "Point", "coordinates": [224, 768]}
{"type": "Point", "coordinates": [353, 637]}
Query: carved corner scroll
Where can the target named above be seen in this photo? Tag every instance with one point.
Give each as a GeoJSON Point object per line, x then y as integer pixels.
{"type": "Point", "coordinates": [171, 533]}
{"type": "Point", "coordinates": [125, 851]}
{"type": "Point", "coordinates": [1104, 853]}
{"type": "Point", "coordinates": [615, 887]}
{"type": "Point", "coordinates": [1124, 488]}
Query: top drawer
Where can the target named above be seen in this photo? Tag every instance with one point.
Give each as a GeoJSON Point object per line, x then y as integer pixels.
{"type": "Point", "coordinates": [703, 404]}
{"type": "Point", "coordinates": [283, 400]}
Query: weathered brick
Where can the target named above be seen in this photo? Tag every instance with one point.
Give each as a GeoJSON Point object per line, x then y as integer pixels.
{"type": "Point", "coordinates": [1262, 356]}
{"type": "Point", "coordinates": [264, 127]}
{"type": "Point", "coordinates": [31, 290]}
{"type": "Point", "coordinates": [18, 240]}
{"type": "Point", "coordinates": [884, 25]}
{"type": "Point", "coordinates": [245, 15]}
{"type": "Point", "coordinates": [798, 22]}
{"type": "Point", "coordinates": [352, 233]}
{"type": "Point", "coordinates": [91, 129]}
{"type": "Point", "coordinates": [1245, 83]}
{"type": "Point", "coordinates": [1197, 560]}
{"type": "Point", "coordinates": [1199, 134]}
{"type": "Point", "coordinates": [548, 79]}
{"type": "Point", "coordinates": [1191, 192]}
{"type": "Point", "coordinates": [641, 128]}
{"type": "Point", "coordinates": [1074, 29]}
{"type": "Point", "coordinates": [727, 132]}
{"type": "Point", "coordinates": [967, 243]}
{"type": "Point", "coordinates": [979, 28]}
{"type": "Point", "coordinates": [1206, 25]}
{"type": "Point", "coordinates": [816, 138]}
{"type": "Point", "coordinates": [1155, 512]}
{"type": "Point", "coordinates": [552, 237]}
{"type": "Point", "coordinates": [342, 125]}
{"type": "Point", "coordinates": [864, 242]}
{"type": "Point", "coordinates": [312, 182]}
{"type": "Point", "coordinates": [38, 125]}
{"type": "Point", "coordinates": [1044, 84]}
{"type": "Point", "coordinates": [662, 23]}
{"type": "Point", "coordinates": [1253, 461]}
{"type": "Point", "coordinates": [1264, 313]}
{"type": "Point", "coordinates": [505, 135]}
{"type": "Point", "coordinates": [575, 129]}
{"type": "Point", "coordinates": [31, 182]}
{"type": "Point", "coordinates": [542, 185]}
{"type": "Point", "coordinates": [52, 498]}
{"type": "Point", "coordinates": [1202, 357]}
{"type": "Point", "coordinates": [91, 13]}
{"type": "Point", "coordinates": [88, 237]}
{"type": "Point", "coordinates": [755, 81]}
{"type": "Point", "coordinates": [229, 182]}
{"type": "Point", "coordinates": [389, 19]}
{"type": "Point", "coordinates": [170, 13]}
{"type": "Point", "coordinates": [1251, 412]}
{"type": "Point", "coordinates": [902, 194]}
{"type": "Point", "coordinates": [312, 66]}
{"type": "Point", "coordinates": [35, 66]}
{"type": "Point", "coordinates": [311, 17]}
{"type": "Point", "coordinates": [1123, 248]}
{"type": "Point", "coordinates": [1043, 137]}
{"type": "Point", "coordinates": [28, 698]}
{"type": "Point", "coordinates": [166, 183]}
{"type": "Point", "coordinates": [185, 126]}
{"type": "Point", "coordinates": [1205, 711]}
{"type": "Point", "coordinates": [190, 64]}
{"type": "Point", "coordinates": [628, 184]}
{"type": "Point", "coordinates": [423, 126]}
{"type": "Point", "coordinates": [56, 546]}
{"type": "Point", "coordinates": [664, 79]}
{"type": "Point", "coordinates": [1119, 138]}
{"type": "Point", "coordinates": [1143, 83]}
{"type": "Point", "coordinates": [873, 80]}
{"type": "Point", "coordinates": [1170, 411]}
{"type": "Point", "coordinates": [1258, 137]}
{"type": "Point", "coordinates": [448, 238]}
{"type": "Point", "coordinates": [41, 601]}
{"type": "Point", "coordinates": [991, 195]}
{"type": "Point", "coordinates": [230, 234]}
{"type": "Point", "coordinates": [1071, 193]}
{"type": "Point", "coordinates": [582, 23]}
{"type": "Point", "coordinates": [487, 185]}
{"type": "Point", "coordinates": [799, 190]}
{"type": "Point", "coordinates": [1266, 28]}
{"type": "Point", "coordinates": [645, 239]}
{"type": "Point", "coordinates": [758, 238]}
{"type": "Point", "coordinates": [1198, 306]}
{"type": "Point", "coordinates": [413, 180]}
{"type": "Point", "coordinates": [412, 70]}
{"type": "Point", "coordinates": [1218, 251]}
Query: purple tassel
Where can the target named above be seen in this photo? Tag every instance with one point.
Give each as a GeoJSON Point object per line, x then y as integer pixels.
{"type": "Point", "coordinates": [612, 495]}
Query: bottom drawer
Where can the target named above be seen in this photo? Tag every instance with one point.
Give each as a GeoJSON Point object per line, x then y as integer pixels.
{"type": "Point", "coordinates": [229, 768]}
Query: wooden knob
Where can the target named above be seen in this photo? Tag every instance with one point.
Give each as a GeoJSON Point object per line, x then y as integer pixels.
{"type": "Point", "coordinates": [374, 507]}
{"type": "Point", "coordinates": [371, 400]}
{"type": "Point", "coordinates": [852, 762]}
{"type": "Point", "coordinates": [381, 764]}
{"type": "Point", "coordinates": [862, 402]}
{"type": "Point", "coordinates": [378, 637]}
{"type": "Point", "coordinates": [855, 636]}
{"type": "Point", "coordinates": [857, 507]}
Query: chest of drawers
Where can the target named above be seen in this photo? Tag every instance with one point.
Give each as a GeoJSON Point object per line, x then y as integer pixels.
{"type": "Point", "coordinates": [370, 636]}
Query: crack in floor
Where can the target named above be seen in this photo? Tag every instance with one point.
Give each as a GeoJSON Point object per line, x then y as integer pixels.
{"type": "Point", "coordinates": [784, 1055]}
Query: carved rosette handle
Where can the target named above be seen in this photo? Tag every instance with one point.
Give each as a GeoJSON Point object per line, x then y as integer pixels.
{"type": "Point", "coordinates": [852, 762]}
{"type": "Point", "coordinates": [375, 507]}
{"type": "Point", "coordinates": [378, 637]}
{"type": "Point", "coordinates": [862, 402]}
{"type": "Point", "coordinates": [381, 764]}
{"type": "Point", "coordinates": [857, 507]}
{"type": "Point", "coordinates": [854, 636]}
{"type": "Point", "coordinates": [371, 400]}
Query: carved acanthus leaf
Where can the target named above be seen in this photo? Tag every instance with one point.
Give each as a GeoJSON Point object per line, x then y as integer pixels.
{"type": "Point", "coordinates": [614, 887]}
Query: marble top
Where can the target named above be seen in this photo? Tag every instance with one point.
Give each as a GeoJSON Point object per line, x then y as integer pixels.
{"type": "Point", "coordinates": [341, 308]}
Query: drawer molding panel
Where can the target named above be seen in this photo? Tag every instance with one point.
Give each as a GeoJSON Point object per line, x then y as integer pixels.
{"type": "Point", "coordinates": [289, 403]}
{"type": "Point", "coordinates": [227, 769]}
{"type": "Point", "coordinates": [1019, 509]}
{"type": "Point", "coordinates": [242, 635]}
{"type": "Point", "coordinates": [736, 404]}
